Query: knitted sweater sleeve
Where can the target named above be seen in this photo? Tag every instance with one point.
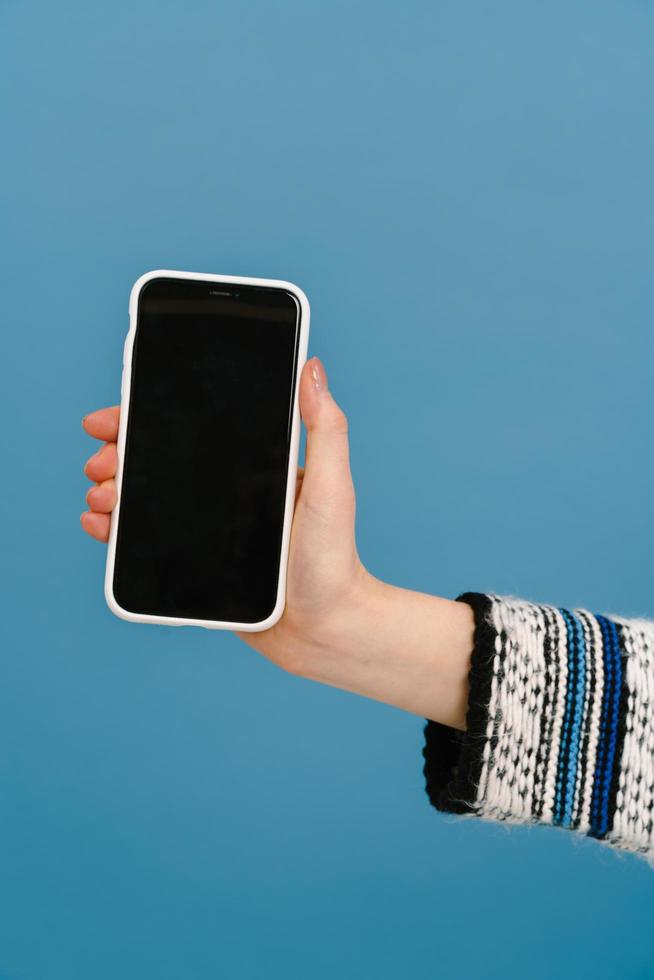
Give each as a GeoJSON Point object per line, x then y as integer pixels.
{"type": "Point", "coordinates": [560, 724]}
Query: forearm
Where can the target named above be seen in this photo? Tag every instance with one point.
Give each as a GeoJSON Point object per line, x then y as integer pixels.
{"type": "Point", "coordinates": [405, 648]}
{"type": "Point", "coordinates": [536, 714]}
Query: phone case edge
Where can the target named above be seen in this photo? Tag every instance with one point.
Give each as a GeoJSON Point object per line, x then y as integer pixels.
{"type": "Point", "coordinates": [305, 314]}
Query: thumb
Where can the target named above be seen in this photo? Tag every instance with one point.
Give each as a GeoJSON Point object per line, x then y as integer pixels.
{"type": "Point", "coordinates": [327, 483]}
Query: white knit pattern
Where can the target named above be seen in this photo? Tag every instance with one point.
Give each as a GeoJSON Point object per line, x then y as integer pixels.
{"type": "Point", "coordinates": [632, 825]}
{"type": "Point", "coordinates": [507, 780]}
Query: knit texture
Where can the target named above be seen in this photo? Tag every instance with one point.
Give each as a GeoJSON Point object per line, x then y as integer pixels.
{"type": "Point", "coordinates": [560, 724]}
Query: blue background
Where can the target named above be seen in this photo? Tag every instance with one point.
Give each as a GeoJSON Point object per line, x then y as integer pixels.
{"type": "Point", "coordinates": [464, 190]}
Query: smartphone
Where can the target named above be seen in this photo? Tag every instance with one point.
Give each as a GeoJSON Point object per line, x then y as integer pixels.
{"type": "Point", "coordinates": [207, 450]}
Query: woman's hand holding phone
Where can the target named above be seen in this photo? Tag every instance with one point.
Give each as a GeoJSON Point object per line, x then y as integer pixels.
{"type": "Point", "coordinates": [341, 625]}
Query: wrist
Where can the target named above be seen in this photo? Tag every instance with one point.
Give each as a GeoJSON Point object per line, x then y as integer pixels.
{"type": "Point", "coordinates": [402, 647]}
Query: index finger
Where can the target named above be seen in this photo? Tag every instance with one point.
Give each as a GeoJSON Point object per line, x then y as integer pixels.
{"type": "Point", "coordinates": [103, 424]}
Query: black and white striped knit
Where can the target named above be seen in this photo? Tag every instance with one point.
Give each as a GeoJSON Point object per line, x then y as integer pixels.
{"type": "Point", "coordinates": [560, 724]}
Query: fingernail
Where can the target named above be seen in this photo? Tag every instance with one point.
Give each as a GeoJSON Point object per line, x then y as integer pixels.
{"type": "Point", "coordinates": [318, 375]}
{"type": "Point", "coordinates": [89, 494]}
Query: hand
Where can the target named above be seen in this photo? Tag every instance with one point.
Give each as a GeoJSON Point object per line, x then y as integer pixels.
{"type": "Point", "coordinates": [324, 569]}
{"type": "Point", "coordinates": [341, 625]}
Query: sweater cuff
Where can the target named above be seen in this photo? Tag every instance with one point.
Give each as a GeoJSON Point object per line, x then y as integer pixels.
{"type": "Point", "coordinates": [559, 725]}
{"type": "Point", "coordinates": [454, 759]}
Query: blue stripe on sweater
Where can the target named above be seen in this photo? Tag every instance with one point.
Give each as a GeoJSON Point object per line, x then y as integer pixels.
{"type": "Point", "coordinates": [608, 733]}
{"type": "Point", "coordinates": [614, 720]}
{"type": "Point", "coordinates": [576, 721]}
{"type": "Point", "coordinates": [572, 719]}
{"type": "Point", "coordinates": [559, 797]}
{"type": "Point", "coordinates": [600, 759]}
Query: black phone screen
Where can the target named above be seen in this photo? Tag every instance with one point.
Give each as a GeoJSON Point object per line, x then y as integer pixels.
{"type": "Point", "coordinates": [207, 446]}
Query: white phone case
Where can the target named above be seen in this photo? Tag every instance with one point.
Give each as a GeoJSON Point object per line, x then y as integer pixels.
{"type": "Point", "coordinates": [292, 459]}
